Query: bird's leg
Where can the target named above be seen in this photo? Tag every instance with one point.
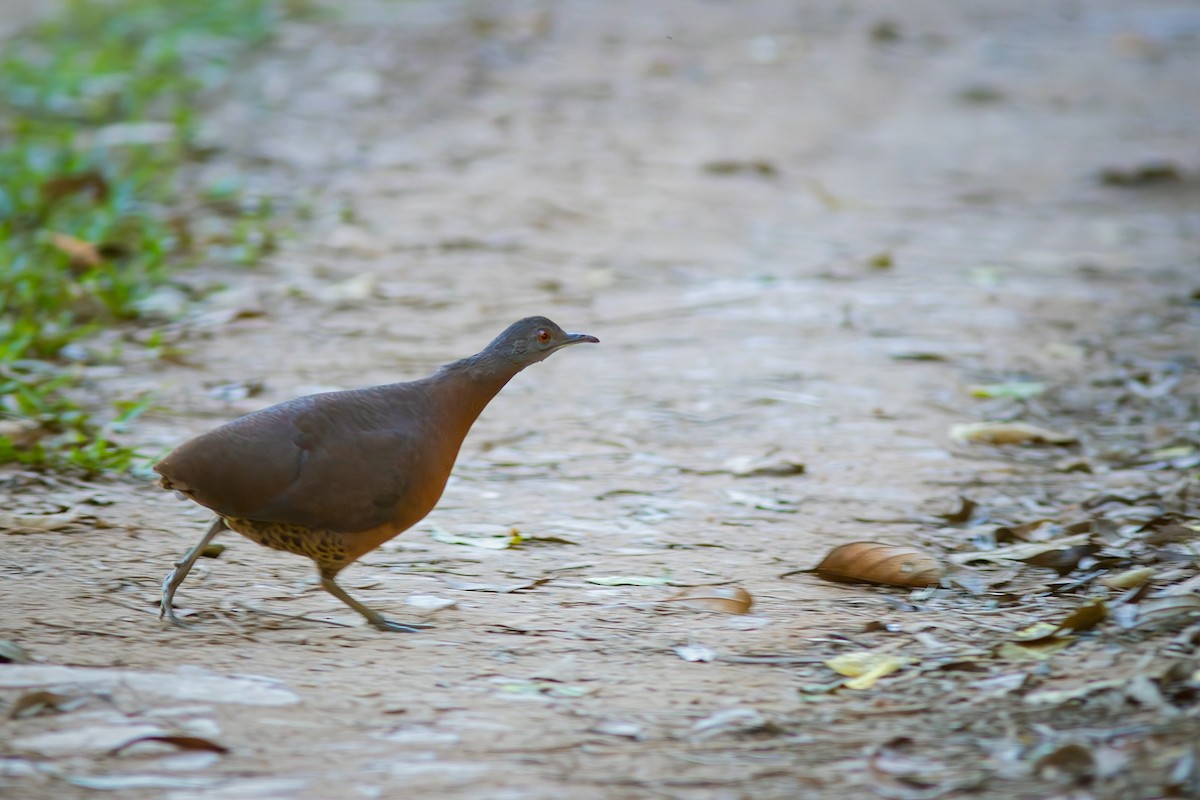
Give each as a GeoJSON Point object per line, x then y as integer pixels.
{"type": "Point", "coordinates": [182, 568]}
{"type": "Point", "coordinates": [376, 619]}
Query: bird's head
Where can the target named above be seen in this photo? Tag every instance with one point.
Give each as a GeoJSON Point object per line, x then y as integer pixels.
{"type": "Point", "coordinates": [531, 340]}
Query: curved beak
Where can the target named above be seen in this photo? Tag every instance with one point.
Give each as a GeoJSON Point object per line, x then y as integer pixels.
{"type": "Point", "coordinates": [576, 338]}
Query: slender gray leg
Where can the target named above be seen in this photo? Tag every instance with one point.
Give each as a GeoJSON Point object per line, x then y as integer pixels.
{"type": "Point", "coordinates": [182, 568]}
{"type": "Point", "coordinates": [376, 619]}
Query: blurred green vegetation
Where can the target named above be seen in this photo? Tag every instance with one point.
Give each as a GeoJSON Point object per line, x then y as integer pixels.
{"type": "Point", "coordinates": [99, 113]}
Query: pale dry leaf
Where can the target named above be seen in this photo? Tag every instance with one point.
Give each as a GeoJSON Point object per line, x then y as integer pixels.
{"type": "Point", "coordinates": [695, 652]}
{"type": "Point", "coordinates": [616, 727]}
{"type": "Point", "coordinates": [629, 580]}
{"type": "Point", "coordinates": [1037, 650]}
{"type": "Point", "coordinates": [780, 505]}
{"type": "Point", "coordinates": [866, 667]}
{"type": "Point", "coordinates": [1087, 616]}
{"type": "Point", "coordinates": [429, 602]}
{"type": "Point", "coordinates": [502, 542]}
{"type": "Point", "coordinates": [1056, 697]}
{"type": "Point", "coordinates": [1016, 390]}
{"type": "Point", "coordinates": [875, 562]}
{"type": "Point", "coordinates": [905, 774]}
{"type": "Point", "coordinates": [730, 720]}
{"type": "Point", "coordinates": [1084, 618]}
{"type": "Point", "coordinates": [1005, 433]}
{"type": "Point", "coordinates": [726, 599]}
{"type": "Point", "coordinates": [753, 466]}
{"type": "Point", "coordinates": [1020, 552]}
{"type": "Point", "coordinates": [188, 683]}
{"type": "Point", "coordinates": [140, 781]}
{"type": "Point", "coordinates": [349, 293]}
{"type": "Point", "coordinates": [1159, 609]}
{"type": "Point", "coordinates": [84, 739]}
{"type": "Point", "coordinates": [1128, 579]}
{"type": "Point", "coordinates": [82, 254]}
{"type": "Point", "coordinates": [11, 522]}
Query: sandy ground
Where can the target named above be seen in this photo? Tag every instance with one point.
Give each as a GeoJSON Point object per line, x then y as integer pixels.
{"type": "Point", "coordinates": [757, 207]}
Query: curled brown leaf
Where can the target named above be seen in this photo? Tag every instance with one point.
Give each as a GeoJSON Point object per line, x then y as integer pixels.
{"type": "Point", "coordinates": [875, 562]}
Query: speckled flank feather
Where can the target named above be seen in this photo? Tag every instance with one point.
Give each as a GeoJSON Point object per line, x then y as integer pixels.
{"type": "Point", "coordinates": [326, 548]}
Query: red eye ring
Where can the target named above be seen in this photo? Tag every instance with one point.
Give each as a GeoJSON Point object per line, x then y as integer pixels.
{"type": "Point", "coordinates": [543, 335]}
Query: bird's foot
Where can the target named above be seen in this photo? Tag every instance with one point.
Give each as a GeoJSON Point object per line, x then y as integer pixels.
{"type": "Point", "coordinates": [166, 606]}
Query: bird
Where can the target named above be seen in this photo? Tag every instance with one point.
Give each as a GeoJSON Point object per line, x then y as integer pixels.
{"type": "Point", "coordinates": [332, 476]}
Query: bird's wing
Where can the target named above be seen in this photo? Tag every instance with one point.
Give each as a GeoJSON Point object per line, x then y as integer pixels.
{"type": "Point", "coordinates": [318, 462]}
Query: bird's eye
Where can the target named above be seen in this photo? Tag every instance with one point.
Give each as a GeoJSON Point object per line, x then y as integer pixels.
{"type": "Point", "coordinates": [543, 335]}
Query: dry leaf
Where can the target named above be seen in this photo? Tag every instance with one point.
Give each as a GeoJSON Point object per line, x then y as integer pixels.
{"type": "Point", "coordinates": [13, 653]}
{"type": "Point", "coordinates": [36, 523]}
{"type": "Point", "coordinates": [1056, 697]}
{"type": "Point", "coordinates": [182, 742]}
{"type": "Point", "coordinates": [628, 580]}
{"type": "Point", "coordinates": [1001, 433]}
{"type": "Point", "coordinates": [1062, 560]}
{"type": "Point", "coordinates": [188, 683]}
{"type": "Point", "coordinates": [140, 781]}
{"type": "Point", "coordinates": [874, 562]}
{"type": "Point", "coordinates": [695, 652]}
{"type": "Point", "coordinates": [761, 168]}
{"type": "Point", "coordinates": [33, 704]}
{"type": "Point", "coordinates": [616, 727]}
{"type": "Point", "coordinates": [1073, 762]}
{"type": "Point", "coordinates": [1086, 617]}
{"type": "Point", "coordinates": [752, 467]}
{"type": "Point", "coordinates": [1147, 173]}
{"type": "Point", "coordinates": [760, 502]}
{"type": "Point", "coordinates": [865, 667]}
{"type": "Point", "coordinates": [501, 542]}
{"type": "Point", "coordinates": [429, 602]}
{"type": "Point", "coordinates": [1040, 646]}
{"type": "Point", "coordinates": [882, 260]}
{"type": "Point", "coordinates": [902, 773]}
{"type": "Point", "coordinates": [1020, 552]}
{"type": "Point", "coordinates": [1128, 579]}
{"type": "Point", "coordinates": [91, 182]}
{"type": "Point", "coordinates": [82, 254]}
{"type": "Point", "coordinates": [731, 720]}
{"type": "Point", "coordinates": [966, 510]}
{"type": "Point", "coordinates": [1016, 390]}
{"type": "Point", "coordinates": [349, 293]}
{"type": "Point", "coordinates": [726, 599]}
{"type": "Point", "coordinates": [498, 588]}
{"type": "Point", "coordinates": [87, 739]}
{"type": "Point", "coordinates": [1160, 609]}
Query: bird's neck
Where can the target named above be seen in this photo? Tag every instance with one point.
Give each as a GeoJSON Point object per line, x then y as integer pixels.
{"type": "Point", "coordinates": [465, 387]}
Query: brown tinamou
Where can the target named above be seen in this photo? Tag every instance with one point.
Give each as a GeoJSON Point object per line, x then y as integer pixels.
{"type": "Point", "coordinates": [333, 476]}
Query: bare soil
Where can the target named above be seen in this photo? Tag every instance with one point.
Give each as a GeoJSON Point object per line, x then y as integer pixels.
{"type": "Point", "coordinates": [801, 230]}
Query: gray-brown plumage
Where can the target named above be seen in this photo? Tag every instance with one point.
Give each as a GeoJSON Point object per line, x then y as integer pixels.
{"type": "Point", "coordinates": [333, 476]}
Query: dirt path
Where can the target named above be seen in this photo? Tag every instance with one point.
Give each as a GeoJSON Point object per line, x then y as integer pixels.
{"type": "Point", "coordinates": [704, 186]}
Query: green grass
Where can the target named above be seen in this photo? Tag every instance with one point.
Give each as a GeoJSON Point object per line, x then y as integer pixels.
{"type": "Point", "coordinates": [99, 108]}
